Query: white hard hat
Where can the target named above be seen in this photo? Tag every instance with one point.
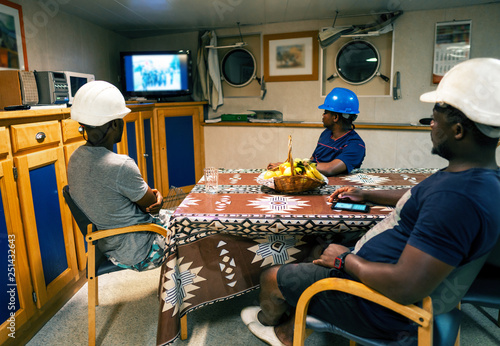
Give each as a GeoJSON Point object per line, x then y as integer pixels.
{"type": "Point", "coordinates": [97, 103]}
{"type": "Point", "coordinates": [473, 87]}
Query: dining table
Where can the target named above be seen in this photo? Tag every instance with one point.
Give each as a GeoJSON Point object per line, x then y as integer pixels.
{"type": "Point", "coordinates": [220, 242]}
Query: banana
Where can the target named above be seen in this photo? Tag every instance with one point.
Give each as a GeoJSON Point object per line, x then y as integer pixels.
{"type": "Point", "coordinates": [309, 172]}
{"type": "Point", "coordinates": [316, 173]}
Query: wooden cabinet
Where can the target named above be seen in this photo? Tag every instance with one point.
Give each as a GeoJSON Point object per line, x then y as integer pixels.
{"type": "Point", "coordinates": [34, 216]}
{"type": "Point", "coordinates": [16, 288]}
{"type": "Point", "coordinates": [139, 142]}
{"type": "Point", "coordinates": [46, 219]}
{"type": "Point", "coordinates": [180, 145]}
{"type": "Point", "coordinates": [165, 140]}
{"type": "Point", "coordinates": [72, 139]}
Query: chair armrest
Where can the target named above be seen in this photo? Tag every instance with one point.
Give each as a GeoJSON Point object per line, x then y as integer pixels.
{"type": "Point", "coordinates": [422, 316]}
{"type": "Point", "coordinates": [144, 227]}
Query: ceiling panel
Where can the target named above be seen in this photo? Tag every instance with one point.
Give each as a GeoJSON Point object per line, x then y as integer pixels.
{"type": "Point", "coordinates": [140, 18]}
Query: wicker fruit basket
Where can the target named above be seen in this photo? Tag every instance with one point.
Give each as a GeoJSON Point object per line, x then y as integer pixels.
{"type": "Point", "coordinates": [295, 182]}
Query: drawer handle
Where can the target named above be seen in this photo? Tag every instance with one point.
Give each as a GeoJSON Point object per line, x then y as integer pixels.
{"type": "Point", "coordinates": [146, 155]}
{"type": "Point", "coordinates": [40, 136]}
{"type": "Point", "coordinates": [81, 129]}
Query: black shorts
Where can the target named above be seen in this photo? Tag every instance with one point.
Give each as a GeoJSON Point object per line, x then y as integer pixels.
{"type": "Point", "coordinates": [343, 310]}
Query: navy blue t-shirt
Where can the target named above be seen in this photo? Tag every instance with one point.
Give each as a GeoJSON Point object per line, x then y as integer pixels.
{"type": "Point", "coordinates": [453, 217]}
{"type": "Point", "coordinates": [349, 148]}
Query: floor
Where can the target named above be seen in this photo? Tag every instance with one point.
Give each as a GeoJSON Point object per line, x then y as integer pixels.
{"type": "Point", "coordinates": [128, 315]}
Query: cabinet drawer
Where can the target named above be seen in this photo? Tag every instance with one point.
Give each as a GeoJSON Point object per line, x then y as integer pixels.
{"type": "Point", "coordinates": [4, 141]}
{"type": "Point", "coordinates": [70, 130]}
{"type": "Point", "coordinates": [30, 136]}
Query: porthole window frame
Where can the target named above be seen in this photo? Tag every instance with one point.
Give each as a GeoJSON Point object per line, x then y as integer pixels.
{"type": "Point", "coordinates": [254, 73]}
{"type": "Point", "coordinates": [342, 49]}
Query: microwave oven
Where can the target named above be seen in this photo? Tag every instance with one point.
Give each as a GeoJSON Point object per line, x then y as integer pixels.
{"type": "Point", "coordinates": [75, 81]}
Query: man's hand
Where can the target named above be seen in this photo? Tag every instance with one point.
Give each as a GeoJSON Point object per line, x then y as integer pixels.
{"type": "Point", "coordinates": [155, 207]}
{"type": "Point", "coordinates": [273, 165]}
{"type": "Point", "coordinates": [327, 258]}
{"type": "Point", "coordinates": [347, 193]}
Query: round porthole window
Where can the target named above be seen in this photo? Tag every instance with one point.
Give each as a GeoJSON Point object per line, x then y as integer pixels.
{"type": "Point", "coordinates": [238, 67]}
{"type": "Point", "coordinates": [357, 62]}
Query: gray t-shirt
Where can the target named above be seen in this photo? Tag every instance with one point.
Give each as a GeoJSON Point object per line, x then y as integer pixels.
{"type": "Point", "coordinates": [105, 186]}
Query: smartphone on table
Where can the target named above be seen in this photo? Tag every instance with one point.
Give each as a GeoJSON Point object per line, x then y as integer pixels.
{"type": "Point", "coordinates": [351, 206]}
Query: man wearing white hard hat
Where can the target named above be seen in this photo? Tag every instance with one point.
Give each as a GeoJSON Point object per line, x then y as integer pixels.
{"type": "Point", "coordinates": [108, 187]}
{"type": "Point", "coordinates": [434, 242]}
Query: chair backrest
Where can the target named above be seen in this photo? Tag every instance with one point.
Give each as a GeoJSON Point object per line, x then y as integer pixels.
{"type": "Point", "coordinates": [494, 257]}
{"type": "Point", "coordinates": [81, 219]}
{"type": "Point", "coordinates": [451, 291]}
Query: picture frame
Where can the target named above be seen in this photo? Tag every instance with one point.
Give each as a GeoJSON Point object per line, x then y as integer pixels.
{"type": "Point", "coordinates": [291, 57]}
{"type": "Point", "coordinates": [451, 46]}
{"type": "Point", "coordinates": [12, 38]}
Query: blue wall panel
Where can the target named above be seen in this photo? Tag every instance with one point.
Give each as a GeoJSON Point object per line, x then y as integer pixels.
{"type": "Point", "coordinates": [8, 302]}
{"type": "Point", "coordinates": [48, 221]}
{"type": "Point", "coordinates": [180, 151]}
{"type": "Point", "coordinates": [132, 141]}
{"type": "Point", "coordinates": [149, 151]}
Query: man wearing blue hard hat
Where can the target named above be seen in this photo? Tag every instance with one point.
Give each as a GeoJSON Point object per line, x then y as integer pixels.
{"type": "Point", "coordinates": [340, 149]}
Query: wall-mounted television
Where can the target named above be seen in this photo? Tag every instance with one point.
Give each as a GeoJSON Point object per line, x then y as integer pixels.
{"type": "Point", "coordinates": [158, 75]}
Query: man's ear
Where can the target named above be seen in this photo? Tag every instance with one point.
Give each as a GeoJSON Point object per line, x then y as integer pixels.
{"type": "Point", "coordinates": [459, 131]}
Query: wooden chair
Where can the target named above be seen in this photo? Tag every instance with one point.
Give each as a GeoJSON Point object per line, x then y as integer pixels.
{"type": "Point", "coordinates": [97, 263]}
{"type": "Point", "coordinates": [440, 329]}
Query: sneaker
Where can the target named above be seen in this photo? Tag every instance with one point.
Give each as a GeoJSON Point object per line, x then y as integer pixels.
{"type": "Point", "coordinates": [249, 314]}
{"type": "Point", "coordinates": [265, 333]}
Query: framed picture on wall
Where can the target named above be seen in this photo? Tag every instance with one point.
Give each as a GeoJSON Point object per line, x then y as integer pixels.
{"type": "Point", "coordinates": [291, 56]}
{"type": "Point", "coordinates": [452, 46]}
{"type": "Point", "coordinates": [12, 40]}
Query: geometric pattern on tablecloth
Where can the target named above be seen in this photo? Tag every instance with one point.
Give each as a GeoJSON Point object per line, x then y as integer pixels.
{"type": "Point", "coordinates": [278, 204]}
{"type": "Point", "coordinates": [179, 282]}
{"type": "Point", "coordinates": [276, 249]}
{"type": "Point", "coordinates": [395, 170]}
{"type": "Point", "coordinates": [189, 228]}
{"type": "Point", "coordinates": [324, 190]}
{"type": "Point", "coordinates": [365, 179]}
{"type": "Point", "coordinates": [227, 264]}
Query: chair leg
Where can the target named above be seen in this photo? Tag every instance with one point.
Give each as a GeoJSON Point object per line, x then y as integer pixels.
{"type": "Point", "coordinates": [184, 330]}
{"type": "Point", "coordinates": [96, 279]}
{"type": "Point", "coordinates": [91, 304]}
{"type": "Point", "coordinates": [92, 292]}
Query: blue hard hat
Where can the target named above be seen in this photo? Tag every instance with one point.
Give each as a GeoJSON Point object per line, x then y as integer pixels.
{"type": "Point", "coordinates": [341, 100]}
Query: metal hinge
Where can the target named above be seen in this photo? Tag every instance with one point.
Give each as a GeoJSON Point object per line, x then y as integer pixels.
{"type": "Point", "coordinates": [14, 170]}
{"type": "Point", "coordinates": [34, 296]}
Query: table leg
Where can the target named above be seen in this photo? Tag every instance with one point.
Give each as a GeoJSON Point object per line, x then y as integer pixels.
{"type": "Point", "coordinates": [184, 330]}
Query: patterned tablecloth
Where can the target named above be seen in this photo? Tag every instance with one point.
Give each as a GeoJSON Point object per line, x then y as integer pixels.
{"type": "Point", "coordinates": [221, 242]}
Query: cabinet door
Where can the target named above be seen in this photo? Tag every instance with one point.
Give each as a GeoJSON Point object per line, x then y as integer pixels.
{"type": "Point", "coordinates": [180, 146]}
{"type": "Point", "coordinates": [147, 145]}
{"type": "Point", "coordinates": [15, 293]}
{"type": "Point", "coordinates": [80, 243]}
{"type": "Point", "coordinates": [130, 137]}
{"type": "Point", "coordinates": [47, 221]}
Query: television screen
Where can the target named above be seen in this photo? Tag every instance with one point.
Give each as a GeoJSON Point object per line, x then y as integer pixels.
{"type": "Point", "coordinates": [156, 75]}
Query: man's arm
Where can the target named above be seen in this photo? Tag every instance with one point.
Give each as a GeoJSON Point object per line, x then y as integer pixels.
{"type": "Point", "coordinates": [151, 202]}
{"type": "Point", "coordinates": [383, 197]}
{"type": "Point", "coordinates": [413, 277]}
{"type": "Point", "coordinates": [331, 168]}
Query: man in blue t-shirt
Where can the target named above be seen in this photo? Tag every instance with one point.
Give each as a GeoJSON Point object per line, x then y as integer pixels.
{"type": "Point", "coordinates": [439, 235]}
{"type": "Point", "coordinates": [340, 149]}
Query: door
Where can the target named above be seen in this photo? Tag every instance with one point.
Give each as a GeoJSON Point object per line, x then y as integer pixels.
{"type": "Point", "coordinates": [47, 221]}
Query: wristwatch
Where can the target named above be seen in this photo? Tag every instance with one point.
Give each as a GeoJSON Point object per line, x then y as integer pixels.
{"type": "Point", "coordinates": [340, 261]}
